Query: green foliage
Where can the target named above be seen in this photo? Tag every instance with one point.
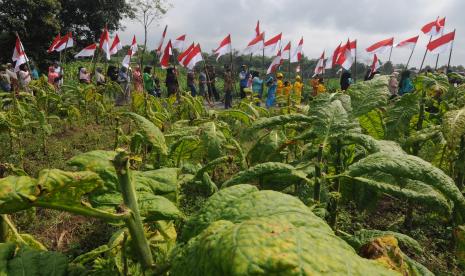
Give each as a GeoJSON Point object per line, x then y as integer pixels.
{"type": "Point", "coordinates": [453, 126]}
{"type": "Point", "coordinates": [368, 95]}
{"type": "Point", "coordinates": [151, 133]}
{"type": "Point", "coordinates": [399, 115]}
{"type": "Point", "coordinates": [240, 230]}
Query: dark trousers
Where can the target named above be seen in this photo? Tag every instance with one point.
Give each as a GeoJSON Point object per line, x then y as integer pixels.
{"type": "Point", "coordinates": [227, 99]}
{"type": "Point", "coordinates": [193, 90]}
{"type": "Point", "coordinates": [212, 92]}
{"type": "Point", "coordinates": [242, 92]}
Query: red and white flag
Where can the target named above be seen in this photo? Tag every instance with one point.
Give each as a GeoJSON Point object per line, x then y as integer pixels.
{"type": "Point", "coordinates": [255, 45]}
{"type": "Point", "coordinates": [55, 42]}
{"type": "Point", "coordinates": [434, 28]}
{"type": "Point", "coordinates": [297, 54]}
{"type": "Point", "coordinates": [184, 54]}
{"type": "Point", "coordinates": [19, 56]}
{"type": "Point", "coordinates": [441, 44]}
{"type": "Point", "coordinates": [345, 58]}
{"type": "Point", "coordinates": [277, 61]}
{"type": "Point", "coordinates": [179, 43]}
{"type": "Point", "coordinates": [193, 57]}
{"type": "Point", "coordinates": [66, 41]}
{"type": "Point", "coordinates": [381, 47]}
{"type": "Point", "coordinates": [165, 57]}
{"type": "Point", "coordinates": [332, 60]}
{"type": "Point", "coordinates": [224, 48]}
{"type": "Point", "coordinates": [408, 43]}
{"type": "Point", "coordinates": [162, 40]}
{"type": "Point", "coordinates": [131, 51]}
{"type": "Point", "coordinates": [89, 51]}
{"type": "Point", "coordinates": [320, 65]}
{"type": "Point", "coordinates": [353, 47]}
{"type": "Point", "coordinates": [116, 45]}
{"type": "Point", "coordinates": [104, 44]}
{"type": "Point", "coordinates": [272, 45]}
{"type": "Point", "coordinates": [286, 53]}
{"type": "Point", "coordinates": [376, 64]}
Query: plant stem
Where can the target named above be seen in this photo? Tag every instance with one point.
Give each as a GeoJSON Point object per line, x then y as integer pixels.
{"type": "Point", "coordinates": [3, 229]}
{"type": "Point", "coordinates": [421, 118]}
{"type": "Point", "coordinates": [134, 223]}
{"type": "Point", "coordinates": [337, 184]}
{"type": "Point", "coordinates": [317, 187]}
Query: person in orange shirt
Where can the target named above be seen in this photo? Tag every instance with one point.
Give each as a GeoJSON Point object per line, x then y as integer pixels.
{"type": "Point", "coordinates": [321, 86]}
{"type": "Point", "coordinates": [314, 83]}
{"type": "Point", "coordinates": [298, 88]}
{"type": "Point", "coordinates": [280, 87]}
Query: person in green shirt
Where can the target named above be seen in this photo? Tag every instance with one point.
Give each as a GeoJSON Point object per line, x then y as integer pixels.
{"type": "Point", "coordinates": [149, 85]}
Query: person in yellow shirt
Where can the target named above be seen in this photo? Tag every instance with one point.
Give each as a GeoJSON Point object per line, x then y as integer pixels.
{"type": "Point", "coordinates": [321, 86]}
{"type": "Point", "coordinates": [287, 88]}
{"type": "Point", "coordinates": [279, 90]}
{"type": "Point", "coordinates": [298, 88]}
{"type": "Point", "coordinates": [314, 82]}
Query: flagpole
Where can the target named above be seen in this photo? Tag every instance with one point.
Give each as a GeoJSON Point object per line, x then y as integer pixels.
{"type": "Point", "coordinates": [289, 63]}
{"type": "Point", "coordinates": [410, 57]}
{"type": "Point", "coordinates": [426, 51]}
{"type": "Point", "coordinates": [208, 79]}
{"type": "Point", "coordinates": [450, 55]}
{"type": "Point", "coordinates": [64, 55]}
{"type": "Point", "coordinates": [355, 62]}
{"type": "Point", "coordinates": [437, 60]}
{"type": "Point", "coordinates": [390, 54]}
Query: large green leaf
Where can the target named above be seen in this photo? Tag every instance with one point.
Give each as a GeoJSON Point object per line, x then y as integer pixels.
{"type": "Point", "coordinates": [242, 231]}
{"type": "Point", "coordinates": [153, 207]}
{"type": "Point", "coordinates": [453, 126]}
{"type": "Point", "coordinates": [151, 132]}
{"type": "Point", "coordinates": [267, 169]}
{"type": "Point", "coordinates": [267, 148]}
{"type": "Point", "coordinates": [16, 193]}
{"type": "Point", "coordinates": [212, 140]}
{"type": "Point", "coordinates": [7, 251]}
{"type": "Point", "coordinates": [372, 124]}
{"type": "Point", "coordinates": [399, 115]}
{"type": "Point", "coordinates": [368, 95]}
{"type": "Point", "coordinates": [31, 262]}
{"type": "Point", "coordinates": [279, 121]}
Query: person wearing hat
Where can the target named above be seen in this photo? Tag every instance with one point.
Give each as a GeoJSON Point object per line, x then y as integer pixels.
{"type": "Point", "coordinates": [298, 88]}
{"type": "Point", "coordinates": [244, 76]}
{"type": "Point", "coordinates": [393, 84]}
{"type": "Point", "coordinates": [280, 84]}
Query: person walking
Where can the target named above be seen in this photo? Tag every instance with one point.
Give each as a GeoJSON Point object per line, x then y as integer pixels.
{"type": "Point", "coordinates": [393, 84]}
{"type": "Point", "coordinates": [271, 93]}
{"type": "Point", "coordinates": [243, 80]}
{"type": "Point", "coordinates": [24, 77]}
{"type": "Point", "coordinates": [298, 88]}
{"type": "Point", "coordinates": [5, 82]}
{"type": "Point", "coordinates": [346, 80]}
{"type": "Point", "coordinates": [13, 77]}
{"type": "Point", "coordinates": [405, 84]}
{"type": "Point", "coordinates": [123, 81]}
{"type": "Point", "coordinates": [257, 86]}
{"type": "Point", "coordinates": [202, 84]}
{"type": "Point", "coordinates": [149, 83]}
{"type": "Point", "coordinates": [191, 82]}
{"type": "Point", "coordinates": [137, 79]}
{"type": "Point", "coordinates": [171, 81]}
{"type": "Point", "coordinates": [211, 83]}
{"type": "Point", "coordinates": [228, 87]}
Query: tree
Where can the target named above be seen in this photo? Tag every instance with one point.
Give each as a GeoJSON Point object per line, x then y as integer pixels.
{"type": "Point", "coordinates": [147, 12]}
{"type": "Point", "coordinates": [36, 21]}
{"type": "Point", "coordinates": [87, 18]}
{"type": "Point", "coordinates": [388, 68]}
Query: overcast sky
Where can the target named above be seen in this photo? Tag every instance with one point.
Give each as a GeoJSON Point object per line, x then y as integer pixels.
{"type": "Point", "coordinates": [323, 24]}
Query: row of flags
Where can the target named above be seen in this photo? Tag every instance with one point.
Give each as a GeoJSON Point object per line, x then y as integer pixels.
{"type": "Point", "coordinates": [344, 55]}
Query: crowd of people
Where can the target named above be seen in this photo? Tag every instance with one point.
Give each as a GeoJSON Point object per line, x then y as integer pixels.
{"type": "Point", "coordinates": [271, 90]}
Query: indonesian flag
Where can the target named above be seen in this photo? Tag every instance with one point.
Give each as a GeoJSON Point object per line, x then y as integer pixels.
{"type": "Point", "coordinates": [408, 43]}
{"type": "Point", "coordinates": [345, 58]}
{"type": "Point", "coordinates": [116, 45]}
{"type": "Point", "coordinates": [297, 54]}
{"type": "Point", "coordinates": [104, 44]}
{"type": "Point", "coordinates": [320, 65]}
{"type": "Point", "coordinates": [353, 47]}
{"type": "Point", "coordinates": [184, 54]}
{"type": "Point", "coordinates": [286, 54]}
{"type": "Point", "coordinates": [272, 45]}
{"type": "Point", "coordinates": [162, 39]}
{"type": "Point", "coordinates": [255, 45]}
{"type": "Point", "coordinates": [224, 48]}
{"type": "Point", "coordinates": [277, 61]}
{"type": "Point", "coordinates": [132, 50]}
{"type": "Point", "coordinates": [55, 42]}
{"type": "Point", "coordinates": [381, 47]}
{"type": "Point", "coordinates": [19, 56]}
{"type": "Point", "coordinates": [179, 42]}
{"type": "Point", "coordinates": [193, 57]}
{"type": "Point", "coordinates": [434, 28]}
{"type": "Point", "coordinates": [441, 44]}
{"type": "Point", "coordinates": [332, 60]}
{"type": "Point", "coordinates": [376, 64]}
{"type": "Point", "coordinates": [165, 58]}
{"type": "Point", "coordinates": [66, 42]}
{"type": "Point", "coordinates": [89, 51]}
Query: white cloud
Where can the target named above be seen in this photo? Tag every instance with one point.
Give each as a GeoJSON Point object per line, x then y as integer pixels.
{"type": "Point", "coordinates": [322, 23]}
